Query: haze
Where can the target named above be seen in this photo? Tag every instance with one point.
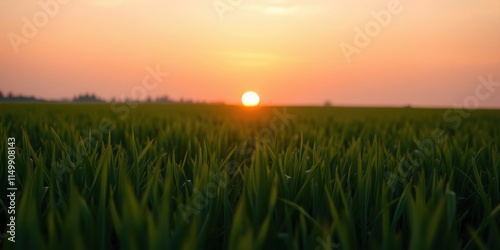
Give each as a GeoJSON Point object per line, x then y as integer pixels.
{"type": "Point", "coordinates": [431, 53]}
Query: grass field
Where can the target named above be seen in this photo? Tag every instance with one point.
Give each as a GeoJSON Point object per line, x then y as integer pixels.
{"type": "Point", "coordinates": [225, 177]}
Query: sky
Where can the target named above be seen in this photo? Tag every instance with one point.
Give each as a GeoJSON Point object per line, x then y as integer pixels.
{"type": "Point", "coordinates": [291, 52]}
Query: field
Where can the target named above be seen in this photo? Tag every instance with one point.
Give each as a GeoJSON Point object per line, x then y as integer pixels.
{"type": "Point", "coordinates": [97, 176]}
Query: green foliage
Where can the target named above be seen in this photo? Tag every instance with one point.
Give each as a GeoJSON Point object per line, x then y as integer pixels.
{"type": "Point", "coordinates": [223, 177]}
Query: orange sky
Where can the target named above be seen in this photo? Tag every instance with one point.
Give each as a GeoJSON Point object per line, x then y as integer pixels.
{"type": "Point", "coordinates": [430, 53]}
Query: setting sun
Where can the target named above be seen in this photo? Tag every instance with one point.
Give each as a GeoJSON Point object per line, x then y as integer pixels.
{"type": "Point", "coordinates": [250, 99]}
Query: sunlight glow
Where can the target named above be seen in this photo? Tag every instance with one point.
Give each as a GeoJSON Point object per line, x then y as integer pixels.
{"type": "Point", "coordinates": [250, 99]}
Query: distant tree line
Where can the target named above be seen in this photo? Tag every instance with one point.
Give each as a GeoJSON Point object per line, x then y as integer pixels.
{"type": "Point", "coordinates": [20, 98]}
{"type": "Point", "coordinates": [90, 98]}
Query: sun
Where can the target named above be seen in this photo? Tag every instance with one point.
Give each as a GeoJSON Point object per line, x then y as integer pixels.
{"type": "Point", "coordinates": [250, 99]}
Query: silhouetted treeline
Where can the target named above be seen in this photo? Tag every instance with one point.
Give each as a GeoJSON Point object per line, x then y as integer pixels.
{"type": "Point", "coordinates": [92, 98]}
{"type": "Point", "coordinates": [88, 98]}
{"type": "Point", "coordinates": [20, 98]}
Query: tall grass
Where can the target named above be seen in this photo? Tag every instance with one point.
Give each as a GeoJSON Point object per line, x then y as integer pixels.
{"type": "Point", "coordinates": [188, 177]}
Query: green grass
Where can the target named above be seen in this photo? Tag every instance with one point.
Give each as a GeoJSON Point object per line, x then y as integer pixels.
{"type": "Point", "coordinates": [224, 177]}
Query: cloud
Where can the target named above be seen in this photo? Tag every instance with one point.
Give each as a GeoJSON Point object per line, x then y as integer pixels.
{"type": "Point", "coordinates": [278, 1]}
{"type": "Point", "coordinates": [251, 59]}
{"type": "Point", "coordinates": [113, 3]}
{"type": "Point", "coordinates": [279, 8]}
{"type": "Point", "coordinates": [106, 3]}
